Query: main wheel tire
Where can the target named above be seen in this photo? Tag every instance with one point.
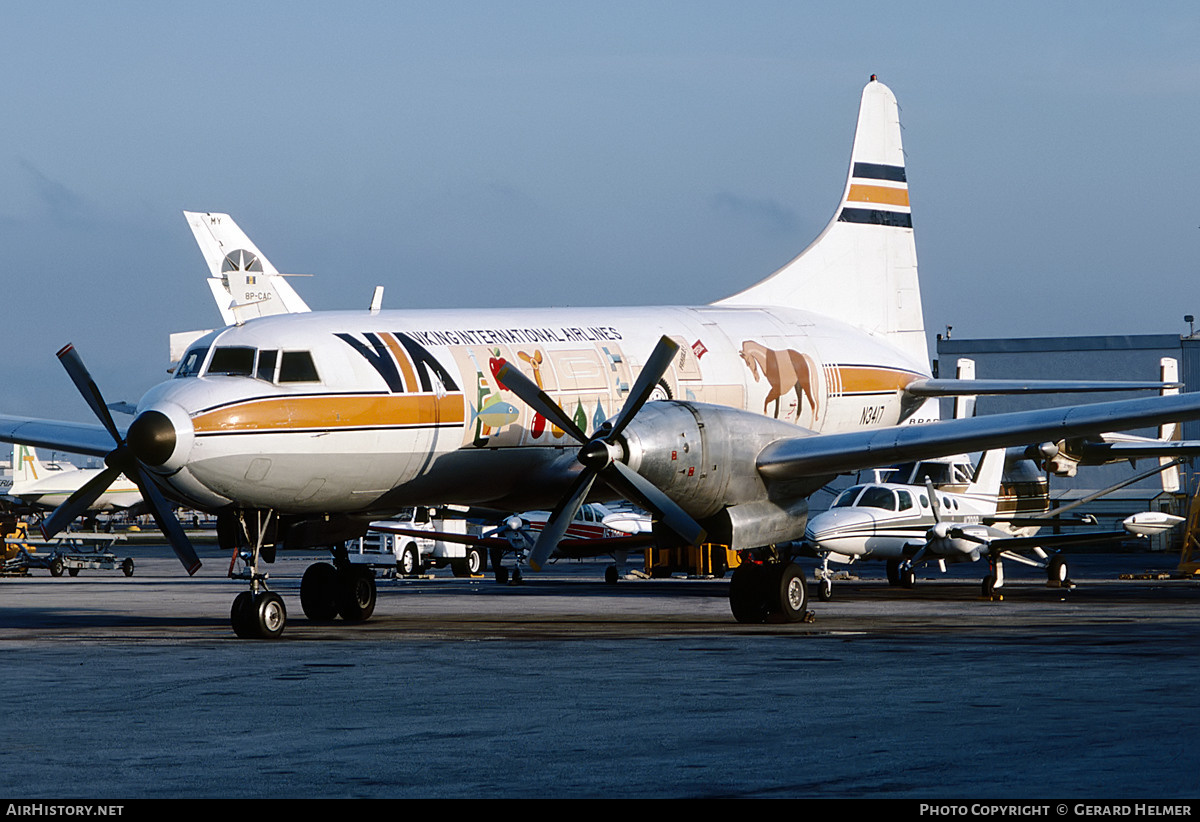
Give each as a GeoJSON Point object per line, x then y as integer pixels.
{"type": "Point", "coordinates": [788, 592]}
{"type": "Point", "coordinates": [908, 577]}
{"type": "Point", "coordinates": [893, 572]}
{"type": "Point", "coordinates": [1056, 572]}
{"type": "Point", "coordinates": [356, 594]}
{"type": "Point", "coordinates": [747, 594]}
{"type": "Point", "coordinates": [318, 592]}
{"type": "Point", "coordinates": [612, 575]}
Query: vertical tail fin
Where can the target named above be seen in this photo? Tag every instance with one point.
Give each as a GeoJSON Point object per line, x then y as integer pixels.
{"type": "Point", "coordinates": [243, 282]}
{"type": "Point", "coordinates": [26, 468]}
{"type": "Point", "coordinates": [862, 269]}
{"type": "Point", "coordinates": [988, 475]}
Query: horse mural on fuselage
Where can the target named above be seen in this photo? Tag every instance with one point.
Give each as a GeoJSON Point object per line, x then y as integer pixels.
{"type": "Point", "coordinates": [784, 370]}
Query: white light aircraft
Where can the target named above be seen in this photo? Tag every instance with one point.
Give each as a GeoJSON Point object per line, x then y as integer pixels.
{"type": "Point", "coordinates": [908, 525]}
{"type": "Point", "coordinates": [299, 429]}
{"type": "Point", "coordinates": [47, 485]}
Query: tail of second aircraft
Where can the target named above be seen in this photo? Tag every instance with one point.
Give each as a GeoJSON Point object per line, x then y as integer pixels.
{"type": "Point", "coordinates": [862, 269]}
{"type": "Point", "coordinates": [985, 487]}
{"type": "Point", "coordinates": [26, 468]}
{"type": "Point", "coordinates": [243, 282]}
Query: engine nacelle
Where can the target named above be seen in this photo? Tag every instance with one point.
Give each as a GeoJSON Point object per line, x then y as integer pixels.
{"type": "Point", "coordinates": [704, 457]}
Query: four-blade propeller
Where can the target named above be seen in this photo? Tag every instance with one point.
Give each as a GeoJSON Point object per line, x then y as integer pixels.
{"type": "Point", "coordinates": [600, 455]}
{"type": "Point", "coordinates": [121, 460]}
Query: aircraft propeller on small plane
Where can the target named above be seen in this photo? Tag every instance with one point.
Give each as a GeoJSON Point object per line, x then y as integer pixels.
{"type": "Point", "coordinates": [124, 459]}
{"type": "Point", "coordinates": [600, 455]}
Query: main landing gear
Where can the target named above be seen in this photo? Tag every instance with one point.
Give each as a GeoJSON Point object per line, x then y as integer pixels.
{"type": "Point", "coordinates": [769, 590]}
{"type": "Point", "coordinates": [341, 589]}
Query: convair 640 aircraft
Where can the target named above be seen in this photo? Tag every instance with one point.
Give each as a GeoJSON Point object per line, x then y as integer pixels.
{"type": "Point", "coordinates": [299, 429]}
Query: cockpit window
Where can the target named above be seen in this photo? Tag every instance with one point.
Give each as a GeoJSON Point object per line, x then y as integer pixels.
{"type": "Point", "coordinates": [297, 366]}
{"type": "Point", "coordinates": [232, 361]}
{"type": "Point", "coordinates": [847, 497]}
{"type": "Point", "coordinates": [189, 366]}
{"type": "Point", "coordinates": [266, 365]}
{"type": "Point", "coordinates": [876, 497]}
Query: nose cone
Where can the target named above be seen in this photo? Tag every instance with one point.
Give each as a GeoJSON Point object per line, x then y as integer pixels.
{"type": "Point", "coordinates": [840, 528]}
{"type": "Point", "coordinates": [152, 438]}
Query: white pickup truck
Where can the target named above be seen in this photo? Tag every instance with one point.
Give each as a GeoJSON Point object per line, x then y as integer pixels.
{"type": "Point", "coordinates": [411, 555]}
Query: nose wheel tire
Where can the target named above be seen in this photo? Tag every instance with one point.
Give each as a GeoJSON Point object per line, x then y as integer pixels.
{"type": "Point", "coordinates": [825, 590]}
{"type": "Point", "coordinates": [258, 616]}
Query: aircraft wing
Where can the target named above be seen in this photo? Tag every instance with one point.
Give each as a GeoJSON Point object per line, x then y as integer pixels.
{"type": "Point", "coordinates": [824, 454]}
{"type": "Point", "coordinates": [1110, 448]}
{"type": "Point", "coordinates": [1041, 540]}
{"type": "Point", "coordinates": [76, 437]}
{"type": "Point", "coordinates": [959, 388]}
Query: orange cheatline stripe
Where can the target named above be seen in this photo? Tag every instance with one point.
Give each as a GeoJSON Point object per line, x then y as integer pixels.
{"type": "Point", "coordinates": [306, 413]}
{"type": "Point", "coordinates": [877, 194]}
{"type": "Point", "coordinates": [856, 379]}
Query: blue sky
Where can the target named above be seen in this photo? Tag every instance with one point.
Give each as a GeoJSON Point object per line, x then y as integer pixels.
{"type": "Point", "coordinates": [552, 153]}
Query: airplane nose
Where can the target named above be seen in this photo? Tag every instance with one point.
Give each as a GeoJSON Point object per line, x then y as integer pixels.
{"type": "Point", "coordinates": [152, 438]}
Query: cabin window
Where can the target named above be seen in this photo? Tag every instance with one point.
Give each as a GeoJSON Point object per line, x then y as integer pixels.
{"type": "Point", "coordinates": [297, 366]}
{"type": "Point", "coordinates": [905, 498]}
{"type": "Point", "coordinates": [876, 497]}
{"type": "Point", "coordinates": [190, 365]}
{"type": "Point", "coordinates": [266, 365]}
{"type": "Point", "coordinates": [232, 361]}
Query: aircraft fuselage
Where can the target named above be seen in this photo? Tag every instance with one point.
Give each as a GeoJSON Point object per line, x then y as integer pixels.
{"type": "Point", "coordinates": [362, 412]}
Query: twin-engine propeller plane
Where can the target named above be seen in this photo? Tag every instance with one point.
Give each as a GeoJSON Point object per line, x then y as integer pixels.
{"type": "Point", "coordinates": [908, 525]}
{"type": "Point", "coordinates": [299, 429]}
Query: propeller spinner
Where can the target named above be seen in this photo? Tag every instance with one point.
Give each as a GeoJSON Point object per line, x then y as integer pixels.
{"type": "Point", "coordinates": [601, 455]}
{"type": "Point", "coordinates": [145, 440]}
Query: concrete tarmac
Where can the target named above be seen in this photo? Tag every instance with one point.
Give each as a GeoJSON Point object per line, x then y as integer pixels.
{"type": "Point", "coordinates": [122, 688]}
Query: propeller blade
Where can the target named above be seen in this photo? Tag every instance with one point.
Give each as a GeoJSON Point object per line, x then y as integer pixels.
{"type": "Point", "coordinates": [933, 500]}
{"type": "Point", "coordinates": [538, 400]}
{"type": "Point", "coordinates": [647, 380]}
{"type": "Point", "coordinates": [167, 522]}
{"type": "Point", "coordinates": [79, 501]}
{"type": "Point", "coordinates": [82, 378]}
{"type": "Point", "coordinates": [633, 485]}
{"type": "Point", "coordinates": [560, 519]}
{"type": "Point", "coordinates": [959, 533]}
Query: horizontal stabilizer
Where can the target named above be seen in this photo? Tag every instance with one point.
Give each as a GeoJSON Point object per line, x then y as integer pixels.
{"type": "Point", "coordinates": [962, 388]}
